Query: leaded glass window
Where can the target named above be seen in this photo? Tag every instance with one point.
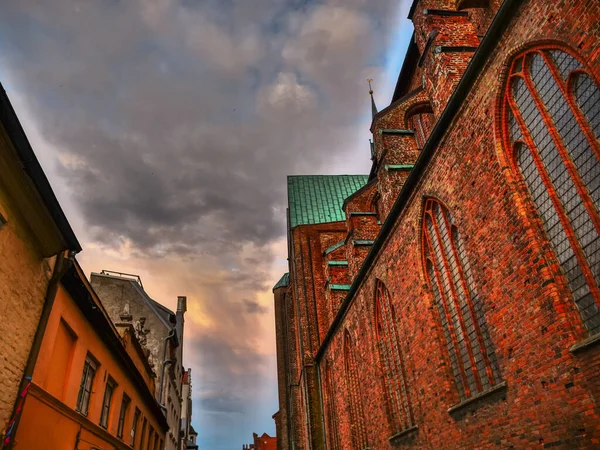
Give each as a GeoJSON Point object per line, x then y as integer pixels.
{"type": "Point", "coordinates": [553, 110]}
{"type": "Point", "coordinates": [392, 361]}
{"type": "Point", "coordinates": [472, 358]}
{"type": "Point", "coordinates": [357, 415]}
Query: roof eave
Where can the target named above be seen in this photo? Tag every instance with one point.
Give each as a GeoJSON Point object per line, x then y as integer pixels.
{"type": "Point", "coordinates": [34, 170]}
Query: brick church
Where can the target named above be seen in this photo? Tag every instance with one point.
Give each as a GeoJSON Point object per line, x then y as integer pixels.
{"type": "Point", "coordinates": [450, 298]}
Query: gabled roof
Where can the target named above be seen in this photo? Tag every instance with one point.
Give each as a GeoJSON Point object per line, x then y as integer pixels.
{"type": "Point", "coordinates": [316, 199]}
{"type": "Point", "coordinates": [283, 282]}
{"type": "Point", "coordinates": [162, 312]}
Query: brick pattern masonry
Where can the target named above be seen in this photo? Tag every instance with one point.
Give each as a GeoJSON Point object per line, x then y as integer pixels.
{"type": "Point", "coordinates": [486, 331]}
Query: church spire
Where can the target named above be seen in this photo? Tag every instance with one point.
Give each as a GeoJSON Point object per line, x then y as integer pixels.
{"type": "Point", "coordinates": [373, 106]}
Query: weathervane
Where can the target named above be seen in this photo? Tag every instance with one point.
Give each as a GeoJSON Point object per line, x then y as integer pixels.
{"type": "Point", "coordinates": [373, 106]}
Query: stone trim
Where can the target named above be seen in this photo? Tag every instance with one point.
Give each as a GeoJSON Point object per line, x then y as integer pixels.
{"type": "Point", "coordinates": [396, 132]}
{"type": "Point", "coordinates": [339, 287]}
{"type": "Point", "coordinates": [591, 341]}
{"type": "Point", "coordinates": [445, 12]}
{"type": "Point", "coordinates": [362, 242]}
{"type": "Point", "coordinates": [398, 436]}
{"type": "Point", "coordinates": [389, 167]}
{"type": "Point", "coordinates": [494, 389]}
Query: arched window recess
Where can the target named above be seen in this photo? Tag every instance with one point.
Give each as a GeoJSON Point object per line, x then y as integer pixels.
{"type": "Point", "coordinates": [551, 132]}
{"type": "Point", "coordinates": [458, 304]}
{"type": "Point", "coordinates": [421, 120]}
{"type": "Point", "coordinates": [392, 362]}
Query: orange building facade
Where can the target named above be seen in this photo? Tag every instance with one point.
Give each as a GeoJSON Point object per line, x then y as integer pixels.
{"type": "Point", "coordinates": [35, 239]}
{"type": "Point", "coordinates": [92, 388]}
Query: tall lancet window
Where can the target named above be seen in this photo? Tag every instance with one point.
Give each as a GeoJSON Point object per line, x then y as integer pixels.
{"type": "Point", "coordinates": [458, 304]}
{"type": "Point", "coordinates": [392, 361]}
{"type": "Point", "coordinates": [553, 109]}
{"type": "Point", "coordinates": [357, 414]}
{"type": "Point", "coordinates": [330, 391]}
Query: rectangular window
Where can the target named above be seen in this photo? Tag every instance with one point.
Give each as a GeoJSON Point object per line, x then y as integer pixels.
{"type": "Point", "coordinates": [136, 418]}
{"type": "Point", "coordinates": [108, 393]}
{"type": "Point", "coordinates": [143, 438]}
{"type": "Point", "coordinates": [124, 407]}
{"type": "Point", "coordinates": [85, 387]}
{"type": "Point", "coordinates": [150, 438]}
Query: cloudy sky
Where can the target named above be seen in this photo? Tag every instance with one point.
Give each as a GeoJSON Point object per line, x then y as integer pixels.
{"type": "Point", "coordinates": [167, 129]}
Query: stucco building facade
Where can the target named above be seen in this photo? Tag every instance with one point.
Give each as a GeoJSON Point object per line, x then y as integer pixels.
{"type": "Point", "coordinates": [451, 300]}
{"type": "Point", "coordinates": [92, 386]}
{"type": "Point", "coordinates": [35, 240]}
{"type": "Point", "coordinates": [163, 335]}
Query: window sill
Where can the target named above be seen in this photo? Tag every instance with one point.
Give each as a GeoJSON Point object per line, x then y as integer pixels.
{"type": "Point", "coordinates": [493, 390]}
{"type": "Point", "coordinates": [394, 440]}
{"type": "Point", "coordinates": [586, 343]}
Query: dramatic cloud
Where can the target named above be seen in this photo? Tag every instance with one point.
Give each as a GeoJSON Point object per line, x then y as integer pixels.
{"type": "Point", "coordinates": [168, 128]}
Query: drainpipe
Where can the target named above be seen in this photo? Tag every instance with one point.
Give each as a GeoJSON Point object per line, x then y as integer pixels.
{"type": "Point", "coordinates": [63, 263]}
{"type": "Point", "coordinates": [77, 439]}
{"type": "Point", "coordinates": [165, 361]}
{"type": "Point", "coordinates": [160, 393]}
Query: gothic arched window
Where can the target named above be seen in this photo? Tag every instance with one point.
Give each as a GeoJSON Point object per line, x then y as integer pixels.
{"type": "Point", "coordinates": [357, 415]}
{"type": "Point", "coordinates": [421, 120]}
{"type": "Point", "coordinates": [392, 361]}
{"type": "Point", "coordinates": [459, 306]}
{"type": "Point", "coordinates": [553, 109]}
{"type": "Point", "coordinates": [334, 436]}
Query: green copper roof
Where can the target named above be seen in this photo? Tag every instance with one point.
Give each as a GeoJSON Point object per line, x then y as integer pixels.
{"type": "Point", "coordinates": [319, 198]}
{"type": "Point", "coordinates": [283, 282]}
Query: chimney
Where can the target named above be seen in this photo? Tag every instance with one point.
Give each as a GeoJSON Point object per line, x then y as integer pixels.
{"type": "Point", "coordinates": [181, 304]}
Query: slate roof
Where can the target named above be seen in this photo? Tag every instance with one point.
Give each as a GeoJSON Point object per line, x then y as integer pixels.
{"type": "Point", "coordinates": [283, 282]}
{"type": "Point", "coordinates": [316, 199]}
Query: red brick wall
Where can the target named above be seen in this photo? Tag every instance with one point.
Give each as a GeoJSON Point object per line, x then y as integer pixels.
{"type": "Point", "coordinates": [551, 393]}
{"type": "Point", "coordinates": [283, 365]}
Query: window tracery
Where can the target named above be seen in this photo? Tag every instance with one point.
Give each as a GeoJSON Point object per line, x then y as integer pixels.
{"type": "Point", "coordinates": [459, 306]}
{"type": "Point", "coordinates": [392, 361]}
{"type": "Point", "coordinates": [553, 108]}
